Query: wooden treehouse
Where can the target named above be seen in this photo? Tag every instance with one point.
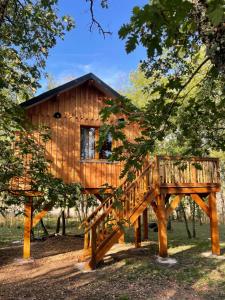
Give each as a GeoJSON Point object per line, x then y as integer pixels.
{"type": "Point", "coordinates": [72, 113]}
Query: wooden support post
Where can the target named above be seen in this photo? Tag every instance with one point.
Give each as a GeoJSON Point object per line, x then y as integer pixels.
{"type": "Point", "coordinates": [137, 232]}
{"type": "Point", "coordinates": [162, 230]}
{"type": "Point", "coordinates": [145, 224]}
{"type": "Point", "coordinates": [86, 238]}
{"type": "Point", "coordinates": [27, 228]}
{"type": "Point", "coordinates": [93, 247]}
{"type": "Point", "coordinates": [214, 224]}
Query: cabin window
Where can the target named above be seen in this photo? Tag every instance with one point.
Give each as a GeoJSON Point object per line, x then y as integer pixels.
{"type": "Point", "coordinates": [89, 139]}
{"type": "Point", "coordinates": [88, 142]}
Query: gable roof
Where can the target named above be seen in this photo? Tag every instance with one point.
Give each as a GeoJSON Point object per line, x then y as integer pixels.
{"type": "Point", "coordinates": [102, 86]}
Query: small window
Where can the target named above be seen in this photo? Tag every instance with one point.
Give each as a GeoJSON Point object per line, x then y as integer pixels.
{"type": "Point", "coordinates": [88, 142]}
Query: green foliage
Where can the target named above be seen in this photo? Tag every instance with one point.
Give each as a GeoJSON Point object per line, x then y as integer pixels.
{"type": "Point", "coordinates": [28, 30]}
{"type": "Point", "coordinates": [136, 91]}
{"type": "Point", "coordinates": [181, 29]}
{"type": "Point", "coordinates": [26, 37]}
{"type": "Point", "coordinates": [180, 87]}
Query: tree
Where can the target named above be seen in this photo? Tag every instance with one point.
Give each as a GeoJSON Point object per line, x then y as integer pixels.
{"type": "Point", "coordinates": [26, 38]}
{"type": "Point", "coordinates": [136, 89]}
{"type": "Point", "coordinates": [185, 68]}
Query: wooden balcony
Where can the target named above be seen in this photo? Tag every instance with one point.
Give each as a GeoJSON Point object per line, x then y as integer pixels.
{"type": "Point", "coordinates": [176, 174]}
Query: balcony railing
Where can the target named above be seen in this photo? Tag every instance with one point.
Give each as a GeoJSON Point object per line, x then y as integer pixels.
{"type": "Point", "coordinates": [188, 171]}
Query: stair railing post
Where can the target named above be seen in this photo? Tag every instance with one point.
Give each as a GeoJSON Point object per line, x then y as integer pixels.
{"type": "Point", "coordinates": [156, 183]}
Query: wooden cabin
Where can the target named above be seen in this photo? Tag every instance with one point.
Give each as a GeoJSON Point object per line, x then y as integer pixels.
{"type": "Point", "coordinates": [71, 111]}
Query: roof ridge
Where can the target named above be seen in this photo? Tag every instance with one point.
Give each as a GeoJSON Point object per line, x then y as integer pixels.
{"type": "Point", "coordinates": [68, 85]}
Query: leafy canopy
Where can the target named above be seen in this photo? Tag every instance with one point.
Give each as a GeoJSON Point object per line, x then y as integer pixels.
{"type": "Point", "coordinates": [183, 89]}
{"type": "Point", "coordinates": [28, 30]}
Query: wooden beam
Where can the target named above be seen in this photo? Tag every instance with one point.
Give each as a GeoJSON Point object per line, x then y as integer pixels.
{"type": "Point", "coordinates": [173, 204]}
{"type": "Point", "coordinates": [137, 232]}
{"type": "Point", "coordinates": [39, 216]}
{"type": "Point", "coordinates": [145, 224]}
{"type": "Point", "coordinates": [162, 230]}
{"type": "Point", "coordinates": [189, 190]}
{"type": "Point", "coordinates": [191, 185]}
{"type": "Point", "coordinates": [201, 203]}
{"type": "Point", "coordinates": [27, 228]}
{"type": "Point", "coordinates": [214, 224]}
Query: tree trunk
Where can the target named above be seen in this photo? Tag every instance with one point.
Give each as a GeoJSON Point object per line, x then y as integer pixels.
{"type": "Point", "coordinates": [68, 213]}
{"type": "Point", "coordinates": [169, 224]}
{"type": "Point", "coordinates": [32, 236]}
{"type": "Point", "coordinates": [199, 214]}
{"type": "Point", "coordinates": [178, 215]}
{"type": "Point", "coordinates": [58, 224]}
{"type": "Point", "coordinates": [44, 227]}
{"type": "Point", "coordinates": [185, 220]}
{"type": "Point", "coordinates": [63, 223]}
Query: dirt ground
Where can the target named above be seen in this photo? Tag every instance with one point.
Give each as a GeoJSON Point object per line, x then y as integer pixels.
{"type": "Point", "coordinates": [54, 274]}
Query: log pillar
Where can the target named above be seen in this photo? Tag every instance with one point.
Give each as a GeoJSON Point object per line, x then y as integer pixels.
{"type": "Point", "coordinates": [137, 232]}
{"type": "Point", "coordinates": [214, 224]}
{"type": "Point", "coordinates": [27, 228]}
{"type": "Point", "coordinates": [162, 230]}
{"type": "Point", "coordinates": [145, 224]}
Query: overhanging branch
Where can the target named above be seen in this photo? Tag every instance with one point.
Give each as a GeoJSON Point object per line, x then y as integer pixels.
{"type": "Point", "coordinates": [94, 21]}
{"type": "Point", "coordinates": [186, 84]}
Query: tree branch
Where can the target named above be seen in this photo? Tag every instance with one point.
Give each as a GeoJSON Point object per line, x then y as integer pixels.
{"type": "Point", "coordinates": [94, 21]}
{"type": "Point", "coordinates": [185, 85]}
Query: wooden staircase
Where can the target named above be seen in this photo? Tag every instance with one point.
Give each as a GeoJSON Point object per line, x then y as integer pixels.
{"type": "Point", "coordinates": [153, 185]}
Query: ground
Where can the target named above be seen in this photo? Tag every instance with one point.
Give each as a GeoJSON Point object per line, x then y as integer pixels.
{"type": "Point", "coordinates": [127, 273]}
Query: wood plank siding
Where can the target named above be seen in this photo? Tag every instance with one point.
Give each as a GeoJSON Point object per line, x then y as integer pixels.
{"type": "Point", "coordinates": [78, 107]}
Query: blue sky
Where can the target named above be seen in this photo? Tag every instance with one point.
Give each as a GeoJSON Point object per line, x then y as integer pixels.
{"type": "Point", "coordinates": [82, 51]}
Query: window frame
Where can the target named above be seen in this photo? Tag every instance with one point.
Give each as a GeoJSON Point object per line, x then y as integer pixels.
{"type": "Point", "coordinates": [96, 139]}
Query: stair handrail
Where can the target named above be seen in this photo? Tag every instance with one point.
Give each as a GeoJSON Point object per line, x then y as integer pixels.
{"type": "Point", "coordinates": [109, 209]}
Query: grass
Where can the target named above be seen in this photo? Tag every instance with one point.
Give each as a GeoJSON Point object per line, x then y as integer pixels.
{"type": "Point", "coordinates": [193, 268]}
{"type": "Point", "coordinates": [12, 230]}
